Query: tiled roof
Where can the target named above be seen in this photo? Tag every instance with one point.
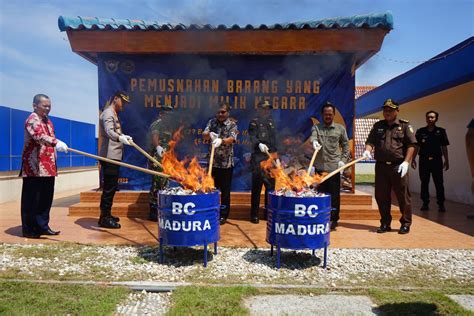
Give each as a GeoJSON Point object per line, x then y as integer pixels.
{"type": "Point", "coordinates": [382, 20]}
{"type": "Point", "coordinates": [362, 130]}
{"type": "Point", "coordinates": [361, 90]}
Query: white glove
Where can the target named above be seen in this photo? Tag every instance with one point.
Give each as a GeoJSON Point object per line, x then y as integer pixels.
{"type": "Point", "coordinates": [125, 139]}
{"type": "Point", "coordinates": [160, 150]}
{"type": "Point", "coordinates": [316, 145]}
{"type": "Point", "coordinates": [403, 169]}
{"type": "Point", "coordinates": [263, 148]}
{"type": "Point", "coordinates": [213, 135]}
{"type": "Point", "coordinates": [339, 165]}
{"type": "Point", "coordinates": [217, 142]}
{"type": "Point", "coordinates": [61, 146]}
{"type": "Point", "coordinates": [313, 171]}
{"type": "Point", "coordinates": [367, 155]}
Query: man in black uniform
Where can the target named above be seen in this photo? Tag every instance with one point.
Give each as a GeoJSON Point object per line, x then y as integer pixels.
{"type": "Point", "coordinates": [262, 139]}
{"type": "Point", "coordinates": [432, 145]}
{"type": "Point", "coordinates": [394, 142]}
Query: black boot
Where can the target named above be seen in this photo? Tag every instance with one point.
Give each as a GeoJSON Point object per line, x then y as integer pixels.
{"type": "Point", "coordinates": [108, 222]}
{"type": "Point", "coordinates": [254, 217]}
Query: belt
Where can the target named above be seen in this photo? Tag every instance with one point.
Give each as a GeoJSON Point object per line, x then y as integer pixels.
{"type": "Point", "coordinates": [390, 162]}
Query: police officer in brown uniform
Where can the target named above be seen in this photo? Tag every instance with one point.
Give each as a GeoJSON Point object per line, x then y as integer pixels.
{"type": "Point", "coordinates": [394, 143]}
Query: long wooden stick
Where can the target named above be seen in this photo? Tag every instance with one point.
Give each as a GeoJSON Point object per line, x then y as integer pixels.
{"type": "Point", "coordinates": [152, 159]}
{"type": "Point", "coordinates": [313, 159]}
{"type": "Point", "coordinates": [329, 175]}
{"type": "Point", "coordinates": [211, 159]}
{"type": "Point", "coordinates": [277, 162]}
{"type": "Point", "coordinates": [123, 164]}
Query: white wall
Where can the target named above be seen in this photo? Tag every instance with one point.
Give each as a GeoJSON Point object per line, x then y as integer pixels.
{"type": "Point", "coordinates": [456, 109]}
{"type": "Point", "coordinates": [10, 187]}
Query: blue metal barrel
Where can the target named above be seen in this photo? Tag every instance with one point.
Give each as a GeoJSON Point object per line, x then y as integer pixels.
{"type": "Point", "coordinates": [188, 220]}
{"type": "Point", "coordinates": [298, 222]}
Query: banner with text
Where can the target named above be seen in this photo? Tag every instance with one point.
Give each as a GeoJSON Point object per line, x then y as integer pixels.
{"type": "Point", "coordinates": [296, 85]}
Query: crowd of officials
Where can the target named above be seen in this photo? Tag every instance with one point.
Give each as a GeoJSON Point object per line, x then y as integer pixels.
{"type": "Point", "coordinates": [392, 142]}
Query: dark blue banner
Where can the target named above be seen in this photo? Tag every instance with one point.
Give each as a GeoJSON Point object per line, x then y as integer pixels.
{"type": "Point", "coordinates": [295, 85]}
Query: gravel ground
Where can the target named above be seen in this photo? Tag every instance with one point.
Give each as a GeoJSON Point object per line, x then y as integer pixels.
{"type": "Point", "coordinates": [466, 301]}
{"type": "Point", "coordinates": [241, 265]}
{"type": "Point", "coordinates": [145, 303]}
{"type": "Point", "coordinates": [310, 305]}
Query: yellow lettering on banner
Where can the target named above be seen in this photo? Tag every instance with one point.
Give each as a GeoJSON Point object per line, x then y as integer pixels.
{"type": "Point", "coordinates": [289, 86]}
{"type": "Point", "coordinates": [133, 84]}
{"type": "Point", "coordinates": [230, 86]}
{"type": "Point", "coordinates": [148, 101]}
{"type": "Point", "coordinates": [183, 101]}
{"type": "Point", "coordinates": [238, 86]}
{"type": "Point", "coordinates": [292, 103]}
{"type": "Point", "coordinates": [168, 99]}
{"type": "Point", "coordinates": [213, 100]}
{"type": "Point", "coordinates": [247, 86]}
{"type": "Point", "coordinates": [307, 86]}
{"type": "Point", "coordinates": [297, 86]}
{"type": "Point", "coordinates": [152, 85]}
{"type": "Point", "coordinates": [179, 85]}
{"type": "Point", "coordinates": [162, 84]}
{"type": "Point", "coordinates": [265, 86]}
{"type": "Point", "coordinates": [316, 87]}
{"type": "Point", "coordinates": [189, 85]}
{"type": "Point", "coordinates": [215, 86]}
{"type": "Point", "coordinates": [141, 85]}
{"type": "Point", "coordinates": [256, 86]}
{"type": "Point", "coordinates": [284, 103]}
{"type": "Point", "coordinates": [170, 85]}
{"type": "Point", "coordinates": [206, 86]}
{"type": "Point", "coordinates": [302, 103]}
{"type": "Point", "coordinates": [197, 85]}
{"type": "Point", "coordinates": [274, 86]}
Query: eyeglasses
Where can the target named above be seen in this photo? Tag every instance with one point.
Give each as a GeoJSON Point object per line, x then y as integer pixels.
{"type": "Point", "coordinates": [222, 112]}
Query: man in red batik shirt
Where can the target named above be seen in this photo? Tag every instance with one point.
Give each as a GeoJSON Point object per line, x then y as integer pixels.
{"type": "Point", "coordinates": [38, 169]}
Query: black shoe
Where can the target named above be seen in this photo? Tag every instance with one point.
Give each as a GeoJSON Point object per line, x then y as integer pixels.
{"type": "Point", "coordinates": [115, 218]}
{"type": "Point", "coordinates": [383, 229]}
{"type": "Point", "coordinates": [50, 232]}
{"type": "Point", "coordinates": [222, 220]}
{"type": "Point", "coordinates": [153, 216]}
{"type": "Point", "coordinates": [425, 207]}
{"type": "Point", "coordinates": [334, 225]}
{"type": "Point", "coordinates": [108, 222]}
{"type": "Point", "coordinates": [404, 230]}
{"type": "Point", "coordinates": [31, 236]}
{"type": "Point", "coordinates": [441, 208]}
{"type": "Point", "coordinates": [254, 219]}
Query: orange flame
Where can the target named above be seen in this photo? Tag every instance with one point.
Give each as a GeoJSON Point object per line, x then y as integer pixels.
{"type": "Point", "coordinates": [293, 181]}
{"type": "Point", "coordinates": [192, 176]}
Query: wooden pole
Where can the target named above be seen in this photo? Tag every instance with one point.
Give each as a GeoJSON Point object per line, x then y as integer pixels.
{"type": "Point", "coordinates": [123, 164]}
{"type": "Point", "coordinates": [329, 175]}
{"type": "Point", "coordinates": [211, 159]}
{"type": "Point", "coordinates": [152, 159]}
{"type": "Point", "coordinates": [313, 159]}
{"type": "Point", "coordinates": [277, 162]}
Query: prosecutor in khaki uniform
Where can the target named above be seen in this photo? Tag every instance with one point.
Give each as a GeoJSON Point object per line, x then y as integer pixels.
{"type": "Point", "coordinates": [394, 143]}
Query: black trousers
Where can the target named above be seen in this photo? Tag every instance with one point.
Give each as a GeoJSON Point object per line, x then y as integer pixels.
{"type": "Point", "coordinates": [433, 167]}
{"type": "Point", "coordinates": [387, 179]}
{"type": "Point", "coordinates": [36, 200]}
{"type": "Point", "coordinates": [333, 186]}
{"type": "Point", "coordinates": [259, 178]}
{"type": "Point", "coordinates": [223, 181]}
{"type": "Point", "coordinates": [110, 174]}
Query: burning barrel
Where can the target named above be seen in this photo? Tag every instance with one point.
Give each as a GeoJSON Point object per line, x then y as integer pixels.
{"type": "Point", "coordinates": [298, 221]}
{"type": "Point", "coordinates": [187, 219]}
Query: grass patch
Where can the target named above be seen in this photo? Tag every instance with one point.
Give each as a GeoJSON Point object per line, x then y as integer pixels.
{"type": "Point", "coordinates": [196, 300]}
{"type": "Point", "coordinates": [365, 178]}
{"type": "Point", "coordinates": [393, 302]}
{"type": "Point", "coordinates": [25, 298]}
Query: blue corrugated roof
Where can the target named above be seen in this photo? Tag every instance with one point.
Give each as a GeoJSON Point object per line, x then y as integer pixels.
{"type": "Point", "coordinates": [383, 20]}
{"type": "Point", "coordinates": [452, 67]}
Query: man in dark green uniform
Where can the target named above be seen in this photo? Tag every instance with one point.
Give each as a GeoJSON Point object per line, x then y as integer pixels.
{"type": "Point", "coordinates": [432, 146]}
{"type": "Point", "coordinates": [394, 143]}
{"type": "Point", "coordinates": [262, 140]}
{"type": "Point", "coordinates": [160, 134]}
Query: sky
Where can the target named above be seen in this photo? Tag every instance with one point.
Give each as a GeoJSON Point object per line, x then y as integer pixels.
{"type": "Point", "coordinates": [35, 57]}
